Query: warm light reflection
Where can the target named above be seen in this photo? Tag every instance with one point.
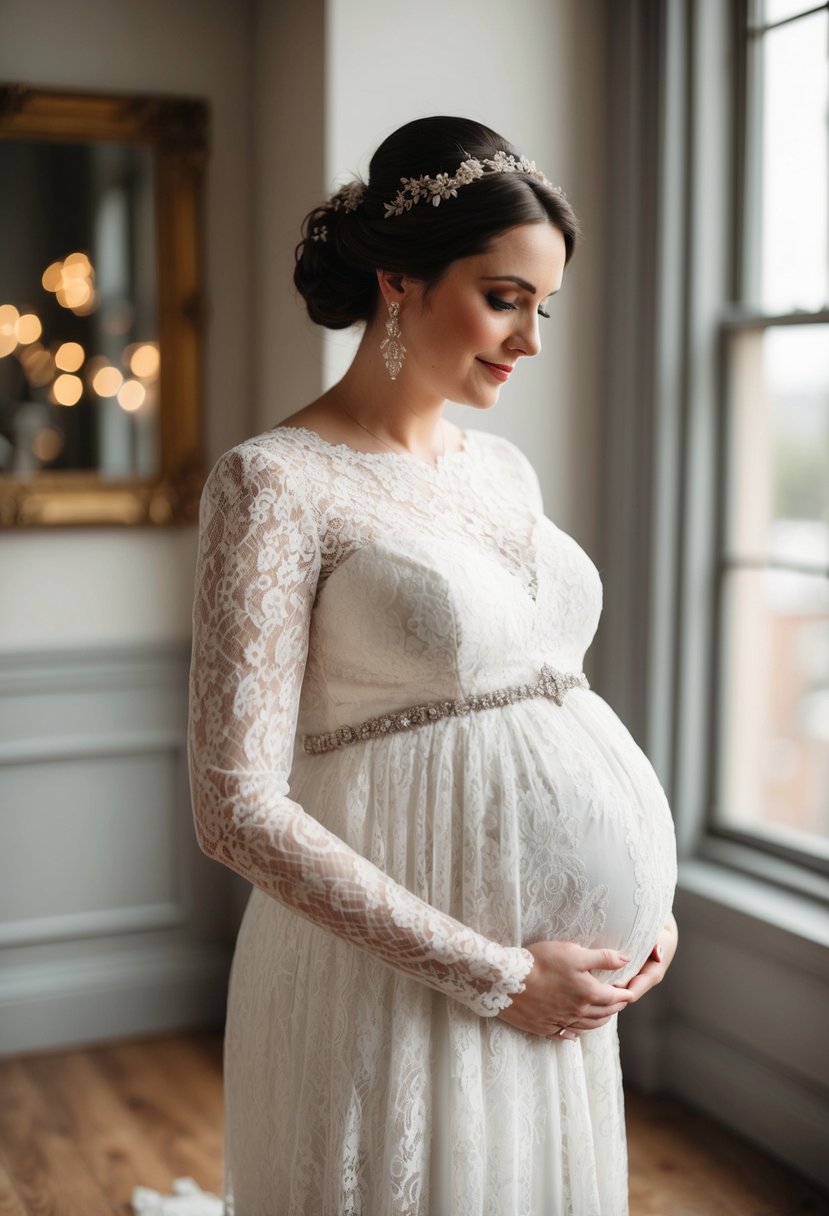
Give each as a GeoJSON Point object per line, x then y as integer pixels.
{"type": "Point", "coordinates": [38, 365]}
{"type": "Point", "coordinates": [107, 381]}
{"type": "Point", "coordinates": [47, 444]}
{"type": "Point", "coordinates": [73, 282]}
{"type": "Point", "coordinates": [131, 395]}
{"type": "Point", "coordinates": [144, 361]}
{"type": "Point", "coordinates": [28, 328]}
{"type": "Point", "coordinates": [52, 276]}
{"type": "Point", "coordinates": [9, 317]}
{"type": "Point", "coordinates": [73, 293]}
{"type": "Point", "coordinates": [77, 265]}
{"type": "Point", "coordinates": [83, 310]}
{"type": "Point", "coordinates": [69, 356]}
{"type": "Point", "coordinates": [67, 390]}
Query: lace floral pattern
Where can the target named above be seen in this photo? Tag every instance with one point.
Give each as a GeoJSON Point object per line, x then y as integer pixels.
{"type": "Point", "coordinates": [397, 883]}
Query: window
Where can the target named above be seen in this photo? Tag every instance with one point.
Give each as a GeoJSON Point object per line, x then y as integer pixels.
{"type": "Point", "coordinates": [771, 786]}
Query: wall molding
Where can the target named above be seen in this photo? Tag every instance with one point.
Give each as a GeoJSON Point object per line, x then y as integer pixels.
{"type": "Point", "coordinates": [167, 987]}
{"type": "Point", "coordinates": [781, 1114]}
{"type": "Point", "coordinates": [24, 671]}
{"type": "Point", "coordinates": [113, 920]}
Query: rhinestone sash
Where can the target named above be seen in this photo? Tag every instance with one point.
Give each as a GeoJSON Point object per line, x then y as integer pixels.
{"type": "Point", "coordinates": [550, 683]}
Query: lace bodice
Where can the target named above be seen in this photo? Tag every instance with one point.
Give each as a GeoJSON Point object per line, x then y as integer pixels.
{"type": "Point", "coordinates": [332, 585]}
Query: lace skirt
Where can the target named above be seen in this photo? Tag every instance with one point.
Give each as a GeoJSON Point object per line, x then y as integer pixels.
{"type": "Point", "coordinates": [353, 1090]}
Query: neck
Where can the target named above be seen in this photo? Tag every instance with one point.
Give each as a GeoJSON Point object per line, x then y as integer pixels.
{"type": "Point", "coordinates": [399, 412]}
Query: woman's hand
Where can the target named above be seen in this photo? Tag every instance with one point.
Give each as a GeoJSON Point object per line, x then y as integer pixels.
{"type": "Point", "coordinates": [560, 991]}
{"type": "Point", "coordinates": [657, 963]}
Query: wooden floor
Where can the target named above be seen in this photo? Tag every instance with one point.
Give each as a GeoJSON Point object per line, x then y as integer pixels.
{"type": "Point", "coordinates": [79, 1129]}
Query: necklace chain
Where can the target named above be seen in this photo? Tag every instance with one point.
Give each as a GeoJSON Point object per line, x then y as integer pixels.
{"type": "Point", "coordinates": [388, 445]}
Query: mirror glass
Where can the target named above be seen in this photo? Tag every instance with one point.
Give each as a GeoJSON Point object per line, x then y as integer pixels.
{"type": "Point", "coordinates": [79, 350]}
{"type": "Point", "coordinates": [102, 307]}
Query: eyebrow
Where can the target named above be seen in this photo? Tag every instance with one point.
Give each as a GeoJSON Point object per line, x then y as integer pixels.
{"type": "Point", "coordinates": [512, 278]}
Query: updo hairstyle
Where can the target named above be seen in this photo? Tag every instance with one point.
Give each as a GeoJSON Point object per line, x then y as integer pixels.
{"type": "Point", "coordinates": [342, 248]}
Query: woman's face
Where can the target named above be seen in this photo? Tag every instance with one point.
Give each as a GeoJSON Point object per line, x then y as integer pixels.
{"type": "Point", "coordinates": [465, 335]}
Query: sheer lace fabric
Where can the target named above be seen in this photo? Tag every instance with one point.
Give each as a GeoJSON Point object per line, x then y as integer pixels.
{"type": "Point", "coordinates": [364, 1069]}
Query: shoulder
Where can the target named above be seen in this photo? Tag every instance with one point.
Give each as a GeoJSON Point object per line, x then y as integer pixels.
{"type": "Point", "coordinates": [511, 463]}
{"type": "Point", "coordinates": [273, 455]}
{"type": "Point", "coordinates": [259, 473]}
{"type": "Point", "coordinates": [498, 447]}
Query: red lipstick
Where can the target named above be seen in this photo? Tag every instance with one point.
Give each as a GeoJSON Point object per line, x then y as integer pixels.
{"type": "Point", "coordinates": [501, 371]}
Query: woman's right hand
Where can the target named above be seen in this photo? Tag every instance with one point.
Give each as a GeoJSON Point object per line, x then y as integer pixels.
{"type": "Point", "coordinates": [560, 991]}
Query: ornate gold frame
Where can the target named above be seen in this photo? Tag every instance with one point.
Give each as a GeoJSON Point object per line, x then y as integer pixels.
{"type": "Point", "coordinates": [177, 130]}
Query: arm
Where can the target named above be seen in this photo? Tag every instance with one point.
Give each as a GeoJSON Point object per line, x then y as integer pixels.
{"type": "Point", "coordinates": [256, 579]}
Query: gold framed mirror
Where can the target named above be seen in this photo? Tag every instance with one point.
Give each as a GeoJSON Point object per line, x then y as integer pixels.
{"type": "Point", "coordinates": [102, 307]}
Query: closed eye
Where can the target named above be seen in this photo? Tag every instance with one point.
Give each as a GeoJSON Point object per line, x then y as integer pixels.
{"type": "Point", "coordinates": [504, 305]}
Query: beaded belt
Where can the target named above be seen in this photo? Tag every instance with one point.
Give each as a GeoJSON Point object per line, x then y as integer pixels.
{"type": "Point", "coordinates": [551, 684]}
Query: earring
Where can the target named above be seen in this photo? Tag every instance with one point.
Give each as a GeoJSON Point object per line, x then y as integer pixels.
{"type": "Point", "coordinates": [394, 352]}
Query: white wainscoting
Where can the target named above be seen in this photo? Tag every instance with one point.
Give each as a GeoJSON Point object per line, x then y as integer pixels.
{"type": "Point", "coordinates": [112, 922]}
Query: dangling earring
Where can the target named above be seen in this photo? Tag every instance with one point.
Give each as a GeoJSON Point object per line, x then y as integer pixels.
{"type": "Point", "coordinates": [394, 352]}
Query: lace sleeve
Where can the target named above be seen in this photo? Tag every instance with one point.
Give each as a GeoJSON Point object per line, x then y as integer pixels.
{"type": "Point", "coordinates": [256, 579]}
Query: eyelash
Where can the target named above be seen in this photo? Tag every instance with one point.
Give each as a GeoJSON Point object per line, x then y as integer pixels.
{"type": "Point", "coordinates": [504, 306]}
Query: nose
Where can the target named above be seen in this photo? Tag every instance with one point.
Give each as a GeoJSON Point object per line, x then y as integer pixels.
{"type": "Point", "coordinates": [526, 339]}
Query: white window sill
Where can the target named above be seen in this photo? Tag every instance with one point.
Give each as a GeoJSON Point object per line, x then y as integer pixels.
{"type": "Point", "coordinates": [755, 912]}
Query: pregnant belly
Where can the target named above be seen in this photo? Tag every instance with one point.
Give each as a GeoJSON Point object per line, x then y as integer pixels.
{"type": "Point", "coordinates": [599, 853]}
{"type": "Point", "coordinates": [528, 822]}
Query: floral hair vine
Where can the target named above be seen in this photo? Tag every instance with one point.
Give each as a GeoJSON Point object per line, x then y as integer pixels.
{"type": "Point", "coordinates": [443, 186]}
{"type": "Point", "coordinates": [348, 197]}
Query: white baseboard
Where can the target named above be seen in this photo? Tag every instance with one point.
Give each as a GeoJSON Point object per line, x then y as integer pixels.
{"type": "Point", "coordinates": [168, 987]}
{"type": "Point", "coordinates": [779, 1112]}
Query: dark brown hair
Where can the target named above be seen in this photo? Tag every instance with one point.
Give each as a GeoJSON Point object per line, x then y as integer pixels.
{"type": "Point", "coordinates": [337, 276]}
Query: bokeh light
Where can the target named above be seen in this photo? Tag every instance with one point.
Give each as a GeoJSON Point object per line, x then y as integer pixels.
{"type": "Point", "coordinates": [52, 276]}
{"type": "Point", "coordinates": [67, 390]}
{"type": "Point", "coordinates": [38, 364]}
{"type": "Point", "coordinates": [69, 356]}
{"type": "Point", "coordinates": [83, 310]}
{"type": "Point", "coordinates": [77, 265]}
{"type": "Point", "coordinates": [131, 395]}
{"type": "Point", "coordinates": [28, 328]}
{"type": "Point", "coordinates": [107, 381]}
{"type": "Point", "coordinates": [73, 293]}
{"type": "Point", "coordinates": [9, 317]}
{"type": "Point", "coordinates": [73, 282]}
{"type": "Point", "coordinates": [47, 444]}
{"type": "Point", "coordinates": [144, 361]}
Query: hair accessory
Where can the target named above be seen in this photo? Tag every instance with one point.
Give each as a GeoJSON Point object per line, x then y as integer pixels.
{"type": "Point", "coordinates": [443, 186]}
{"type": "Point", "coordinates": [348, 196]}
{"type": "Point", "coordinates": [394, 352]}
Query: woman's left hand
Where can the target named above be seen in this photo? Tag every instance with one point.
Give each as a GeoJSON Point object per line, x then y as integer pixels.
{"type": "Point", "coordinates": [657, 963]}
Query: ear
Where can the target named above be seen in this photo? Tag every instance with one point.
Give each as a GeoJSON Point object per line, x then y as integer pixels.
{"type": "Point", "coordinates": [393, 285]}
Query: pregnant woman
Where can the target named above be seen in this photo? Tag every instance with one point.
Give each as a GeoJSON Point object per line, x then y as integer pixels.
{"type": "Point", "coordinates": [463, 865]}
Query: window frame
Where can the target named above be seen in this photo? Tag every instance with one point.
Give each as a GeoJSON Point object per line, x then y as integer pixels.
{"type": "Point", "coordinates": [783, 863]}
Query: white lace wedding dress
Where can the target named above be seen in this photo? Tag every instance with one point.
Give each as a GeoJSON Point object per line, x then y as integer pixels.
{"type": "Point", "coordinates": [398, 869]}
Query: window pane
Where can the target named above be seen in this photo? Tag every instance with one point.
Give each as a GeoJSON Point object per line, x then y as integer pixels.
{"type": "Point", "coordinates": [795, 165]}
{"type": "Point", "coordinates": [778, 458]}
{"type": "Point", "coordinates": [774, 738]}
{"type": "Point", "coordinates": [777, 10]}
